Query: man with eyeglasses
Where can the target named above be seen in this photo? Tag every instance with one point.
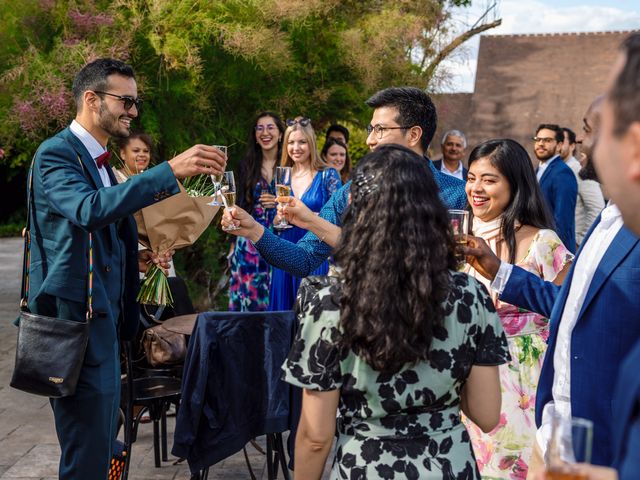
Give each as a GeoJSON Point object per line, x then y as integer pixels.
{"type": "Point", "coordinates": [557, 182]}
{"type": "Point", "coordinates": [80, 212]}
{"type": "Point", "coordinates": [402, 115]}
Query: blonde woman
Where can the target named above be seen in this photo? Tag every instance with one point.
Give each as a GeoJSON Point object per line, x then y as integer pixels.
{"type": "Point", "coordinates": [312, 182]}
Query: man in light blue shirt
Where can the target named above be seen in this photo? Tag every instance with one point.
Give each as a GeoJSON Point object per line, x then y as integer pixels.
{"type": "Point", "coordinates": [402, 115]}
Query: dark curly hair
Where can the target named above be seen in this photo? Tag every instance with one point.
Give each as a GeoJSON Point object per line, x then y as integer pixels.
{"type": "Point", "coordinates": [395, 253]}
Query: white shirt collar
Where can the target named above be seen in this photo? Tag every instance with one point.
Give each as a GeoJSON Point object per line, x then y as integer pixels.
{"type": "Point", "coordinates": [91, 144]}
{"type": "Point", "coordinates": [458, 171]}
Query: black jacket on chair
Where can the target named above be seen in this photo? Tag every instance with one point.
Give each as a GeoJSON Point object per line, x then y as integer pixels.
{"type": "Point", "coordinates": [231, 387]}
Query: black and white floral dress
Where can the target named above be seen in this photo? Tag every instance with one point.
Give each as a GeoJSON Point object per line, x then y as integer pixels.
{"type": "Point", "coordinates": [403, 425]}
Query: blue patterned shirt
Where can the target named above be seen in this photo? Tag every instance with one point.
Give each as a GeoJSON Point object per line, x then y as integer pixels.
{"type": "Point", "coordinates": [301, 258]}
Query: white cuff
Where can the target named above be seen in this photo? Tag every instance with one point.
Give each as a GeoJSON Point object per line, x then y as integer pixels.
{"type": "Point", "coordinates": [502, 277]}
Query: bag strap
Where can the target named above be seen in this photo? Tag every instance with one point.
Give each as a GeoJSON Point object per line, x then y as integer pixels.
{"type": "Point", "coordinates": [26, 259]}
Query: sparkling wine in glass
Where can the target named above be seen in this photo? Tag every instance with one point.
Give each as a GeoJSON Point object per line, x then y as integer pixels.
{"type": "Point", "coordinates": [283, 189]}
{"type": "Point", "coordinates": [460, 225]}
{"type": "Point", "coordinates": [228, 191]}
{"type": "Point", "coordinates": [217, 179]}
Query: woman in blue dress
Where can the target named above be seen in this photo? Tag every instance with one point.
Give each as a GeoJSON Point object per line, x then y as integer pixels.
{"type": "Point", "coordinates": [250, 274]}
{"type": "Point", "coordinates": [313, 182]}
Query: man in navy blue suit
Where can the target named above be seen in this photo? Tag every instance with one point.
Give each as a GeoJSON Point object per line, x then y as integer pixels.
{"type": "Point", "coordinates": [594, 323]}
{"type": "Point", "coordinates": [557, 182]}
{"type": "Point", "coordinates": [75, 194]}
{"type": "Point", "coordinates": [453, 146]}
{"type": "Point", "coordinates": [617, 159]}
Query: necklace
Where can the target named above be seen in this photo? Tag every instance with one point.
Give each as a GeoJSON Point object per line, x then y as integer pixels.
{"type": "Point", "coordinates": [303, 174]}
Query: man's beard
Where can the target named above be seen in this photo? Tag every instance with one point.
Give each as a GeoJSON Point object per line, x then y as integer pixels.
{"type": "Point", "coordinates": [588, 171]}
{"type": "Point", "coordinates": [110, 123]}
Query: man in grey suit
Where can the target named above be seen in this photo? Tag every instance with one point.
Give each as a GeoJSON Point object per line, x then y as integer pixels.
{"type": "Point", "coordinates": [75, 195]}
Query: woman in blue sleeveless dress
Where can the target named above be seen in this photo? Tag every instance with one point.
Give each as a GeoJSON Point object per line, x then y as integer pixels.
{"type": "Point", "coordinates": [250, 273]}
{"type": "Point", "coordinates": [313, 183]}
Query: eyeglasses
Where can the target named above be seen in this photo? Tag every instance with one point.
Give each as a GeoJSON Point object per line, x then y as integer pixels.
{"type": "Point", "coordinates": [546, 140]}
{"type": "Point", "coordinates": [126, 100]}
{"type": "Point", "coordinates": [261, 128]}
{"type": "Point", "coordinates": [303, 122]}
{"type": "Point", "coordinates": [379, 129]}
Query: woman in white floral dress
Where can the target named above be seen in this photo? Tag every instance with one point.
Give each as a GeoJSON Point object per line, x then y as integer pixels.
{"type": "Point", "coordinates": [509, 213]}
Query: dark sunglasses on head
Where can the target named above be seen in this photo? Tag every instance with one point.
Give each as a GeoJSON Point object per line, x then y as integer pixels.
{"type": "Point", "coordinates": [303, 122]}
{"type": "Point", "coordinates": [126, 100]}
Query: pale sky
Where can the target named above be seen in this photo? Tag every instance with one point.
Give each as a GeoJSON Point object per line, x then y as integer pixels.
{"type": "Point", "coordinates": [536, 16]}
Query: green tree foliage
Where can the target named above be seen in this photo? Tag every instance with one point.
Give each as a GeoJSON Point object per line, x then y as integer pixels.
{"type": "Point", "coordinates": [206, 67]}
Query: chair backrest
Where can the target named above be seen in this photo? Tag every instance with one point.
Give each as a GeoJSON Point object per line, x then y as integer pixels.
{"type": "Point", "coordinates": [231, 387]}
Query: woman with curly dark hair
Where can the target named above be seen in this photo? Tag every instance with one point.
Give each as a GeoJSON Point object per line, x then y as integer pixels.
{"type": "Point", "coordinates": [399, 342]}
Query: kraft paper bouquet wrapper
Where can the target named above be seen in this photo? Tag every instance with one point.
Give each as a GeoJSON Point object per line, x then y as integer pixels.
{"type": "Point", "coordinates": [173, 223]}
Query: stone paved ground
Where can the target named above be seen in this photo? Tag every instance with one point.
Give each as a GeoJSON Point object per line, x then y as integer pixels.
{"type": "Point", "coordinates": [28, 445]}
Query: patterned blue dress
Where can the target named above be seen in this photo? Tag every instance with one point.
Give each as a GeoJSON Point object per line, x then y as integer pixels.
{"type": "Point", "coordinates": [284, 286]}
{"type": "Point", "coordinates": [250, 273]}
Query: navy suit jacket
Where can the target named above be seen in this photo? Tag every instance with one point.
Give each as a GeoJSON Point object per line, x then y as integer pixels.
{"type": "Point", "coordinates": [69, 201]}
{"type": "Point", "coordinates": [626, 425]}
{"type": "Point", "coordinates": [438, 165]}
{"type": "Point", "coordinates": [607, 328]}
{"type": "Point", "coordinates": [560, 189]}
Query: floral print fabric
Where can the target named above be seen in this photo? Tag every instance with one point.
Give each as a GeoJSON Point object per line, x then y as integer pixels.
{"type": "Point", "coordinates": [407, 424]}
{"type": "Point", "coordinates": [504, 453]}
{"type": "Point", "coordinates": [250, 273]}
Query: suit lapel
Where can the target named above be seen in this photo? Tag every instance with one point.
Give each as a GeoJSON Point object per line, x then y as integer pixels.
{"type": "Point", "coordinates": [622, 244]}
{"type": "Point", "coordinates": [547, 171]}
{"type": "Point", "coordinates": [87, 161]}
{"type": "Point", "coordinates": [558, 308]}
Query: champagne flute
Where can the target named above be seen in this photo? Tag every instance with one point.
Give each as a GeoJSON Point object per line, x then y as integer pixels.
{"type": "Point", "coordinates": [460, 225]}
{"type": "Point", "coordinates": [571, 442]}
{"type": "Point", "coordinates": [283, 189]}
{"type": "Point", "coordinates": [217, 180]}
{"type": "Point", "coordinates": [228, 190]}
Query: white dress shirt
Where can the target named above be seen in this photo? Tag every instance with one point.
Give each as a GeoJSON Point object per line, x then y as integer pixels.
{"type": "Point", "coordinates": [93, 147]}
{"type": "Point", "coordinates": [458, 173]}
{"type": "Point", "coordinates": [598, 243]}
{"type": "Point", "coordinates": [573, 163]}
{"type": "Point", "coordinates": [543, 166]}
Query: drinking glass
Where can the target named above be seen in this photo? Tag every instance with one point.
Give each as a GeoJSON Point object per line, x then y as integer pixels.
{"type": "Point", "coordinates": [283, 189]}
{"type": "Point", "coordinates": [228, 191]}
{"type": "Point", "coordinates": [460, 225]}
{"type": "Point", "coordinates": [217, 179]}
{"type": "Point", "coordinates": [571, 442]}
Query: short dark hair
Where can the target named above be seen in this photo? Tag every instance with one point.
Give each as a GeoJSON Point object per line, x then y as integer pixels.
{"type": "Point", "coordinates": [625, 92]}
{"type": "Point", "coordinates": [94, 76]}
{"type": "Point", "coordinates": [552, 126]}
{"type": "Point", "coordinates": [570, 133]}
{"type": "Point", "coordinates": [415, 108]}
{"type": "Point", "coordinates": [334, 127]}
{"type": "Point", "coordinates": [527, 204]}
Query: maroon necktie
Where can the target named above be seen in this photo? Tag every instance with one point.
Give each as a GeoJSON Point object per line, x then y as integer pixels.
{"type": "Point", "coordinates": [103, 159]}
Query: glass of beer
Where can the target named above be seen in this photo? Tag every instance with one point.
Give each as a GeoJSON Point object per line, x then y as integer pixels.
{"type": "Point", "coordinates": [571, 442]}
{"type": "Point", "coordinates": [228, 191]}
{"type": "Point", "coordinates": [460, 225]}
{"type": "Point", "coordinates": [217, 179]}
{"type": "Point", "coordinates": [283, 189]}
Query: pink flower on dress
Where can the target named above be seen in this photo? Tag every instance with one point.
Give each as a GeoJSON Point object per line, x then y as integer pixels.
{"type": "Point", "coordinates": [514, 323]}
{"type": "Point", "coordinates": [507, 462]}
{"type": "Point", "coordinates": [520, 469]}
{"type": "Point", "coordinates": [559, 258]}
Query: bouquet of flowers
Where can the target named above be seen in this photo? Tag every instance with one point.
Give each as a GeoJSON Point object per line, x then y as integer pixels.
{"type": "Point", "coordinates": [173, 223]}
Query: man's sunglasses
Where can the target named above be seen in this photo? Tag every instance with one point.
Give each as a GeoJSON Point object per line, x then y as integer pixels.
{"type": "Point", "coordinates": [303, 122]}
{"type": "Point", "coordinates": [126, 100]}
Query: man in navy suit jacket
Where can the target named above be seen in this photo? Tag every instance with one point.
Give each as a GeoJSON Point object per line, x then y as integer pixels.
{"type": "Point", "coordinates": [617, 159]}
{"type": "Point", "coordinates": [593, 318]}
{"type": "Point", "coordinates": [558, 183]}
{"type": "Point", "coordinates": [74, 194]}
{"type": "Point", "coordinates": [453, 146]}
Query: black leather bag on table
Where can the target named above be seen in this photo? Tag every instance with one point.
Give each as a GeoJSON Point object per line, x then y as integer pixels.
{"type": "Point", "coordinates": [50, 351]}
